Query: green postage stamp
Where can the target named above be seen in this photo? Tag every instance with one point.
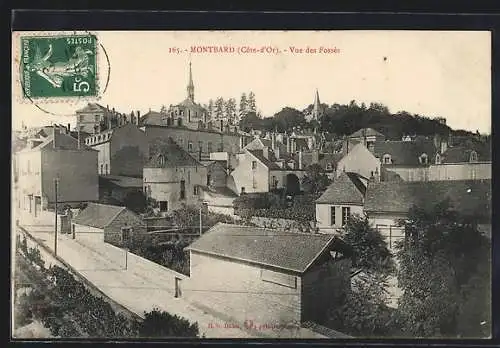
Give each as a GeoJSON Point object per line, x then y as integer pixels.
{"type": "Point", "coordinates": [59, 66]}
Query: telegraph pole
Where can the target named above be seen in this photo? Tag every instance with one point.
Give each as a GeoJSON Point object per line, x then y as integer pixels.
{"type": "Point", "coordinates": [56, 182]}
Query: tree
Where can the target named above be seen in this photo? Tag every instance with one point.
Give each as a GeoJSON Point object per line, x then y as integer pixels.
{"type": "Point", "coordinates": [219, 108]}
{"type": "Point", "coordinates": [287, 119]}
{"type": "Point", "coordinates": [243, 105]}
{"type": "Point", "coordinates": [162, 324]}
{"type": "Point", "coordinates": [443, 252]}
{"type": "Point", "coordinates": [251, 105]}
{"type": "Point", "coordinates": [370, 249]}
{"type": "Point", "coordinates": [250, 121]}
{"type": "Point", "coordinates": [315, 179]}
{"type": "Point", "coordinates": [230, 110]}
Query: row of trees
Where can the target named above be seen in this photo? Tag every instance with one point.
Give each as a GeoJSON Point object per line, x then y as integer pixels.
{"type": "Point", "coordinates": [227, 109]}
{"type": "Point", "coordinates": [444, 275]}
{"type": "Point", "coordinates": [344, 119]}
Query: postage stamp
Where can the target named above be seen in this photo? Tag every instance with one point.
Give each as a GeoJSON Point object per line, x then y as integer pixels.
{"type": "Point", "coordinates": [59, 66]}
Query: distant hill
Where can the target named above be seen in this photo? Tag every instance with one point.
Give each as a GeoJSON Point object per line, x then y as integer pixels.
{"type": "Point", "coordinates": [345, 119]}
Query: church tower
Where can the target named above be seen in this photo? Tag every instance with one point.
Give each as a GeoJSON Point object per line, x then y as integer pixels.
{"type": "Point", "coordinates": [190, 86]}
{"type": "Point", "coordinates": [316, 113]}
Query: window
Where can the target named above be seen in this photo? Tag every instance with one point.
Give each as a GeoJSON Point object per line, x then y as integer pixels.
{"type": "Point", "coordinates": [196, 190]}
{"type": "Point", "coordinates": [254, 164]}
{"type": "Point", "coordinates": [209, 147]}
{"type": "Point", "coordinates": [106, 169]}
{"type": "Point", "coordinates": [275, 182]}
{"type": "Point", "coordinates": [81, 118]}
{"type": "Point", "coordinates": [163, 205]}
{"type": "Point", "coordinates": [200, 145]}
{"type": "Point", "coordinates": [189, 115]}
{"type": "Point", "coordinates": [208, 180]}
{"type": "Point", "coordinates": [473, 156]}
{"type": "Point", "coordinates": [329, 166]}
{"type": "Point", "coordinates": [189, 177]}
{"type": "Point", "coordinates": [346, 213]}
{"type": "Point", "coordinates": [161, 160]}
{"type": "Point", "coordinates": [242, 190]}
{"type": "Point", "coordinates": [387, 159]}
{"type": "Point", "coordinates": [102, 169]}
{"type": "Point", "coordinates": [424, 159]}
{"type": "Point", "coordinates": [332, 216]}
{"type": "Point", "coordinates": [438, 159]}
{"type": "Point", "coordinates": [179, 121]}
{"type": "Point", "coordinates": [97, 118]}
{"type": "Point", "coordinates": [183, 190]}
{"type": "Point", "coordinates": [254, 182]}
{"type": "Point", "coordinates": [190, 146]}
{"type": "Point", "coordinates": [287, 280]}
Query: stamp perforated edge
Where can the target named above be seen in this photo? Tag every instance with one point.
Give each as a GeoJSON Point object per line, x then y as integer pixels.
{"type": "Point", "coordinates": [17, 89]}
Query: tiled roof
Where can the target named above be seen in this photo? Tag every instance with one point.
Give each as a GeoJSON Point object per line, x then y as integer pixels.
{"type": "Point", "coordinates": [260, 156]}
{"type": "Point", "coordinates": [122, 181]}
{"type": "Point", "coordinates": [461, 154]}
{"type": "Point", "coordinates": [173, 156]}
{"type": "Point", "coordinates": [406, 152]}
{"type": "Point", "coordinates": [153, 118]}
{"type": "Point", "coordinates": [98, 215]}
{"type": "Point", "coordinates": [63, 142]}
{"type": "Point", "coordinates": [470, 197]}
{"type": "Point", "coordinates": [368, 132]}
{"type": "Point", "coordinates": [92, 107]}
{"type": "Point", "coordinates": [346, 189]}
{"type": "Point", "coordinates": [271, 247]}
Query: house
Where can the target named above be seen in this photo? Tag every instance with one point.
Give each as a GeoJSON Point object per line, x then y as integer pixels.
{"type": "Point", "coordinates": [173, 177]}
{"type": "Point", "coordinates": [240, 274]}
{"type": "Point", "coordinates": [359, 160]}
{"type": "Point", "coordinates": [123, 150]}
{"type": "Point", "coordinates": [388, 202]}
{"type": "Point", "coordinates": [219, 199]}
{"type": "Point", "coordinates": [366, 136]}
{"type": "Point", "coordinates": [118, 187]}
{"type": "Point", "coordinates": [261, 171]}
{"type": "Point", "coordinates": [94, 118]}
{"type": "Point", "coordinates": [58, 156]}
{"type": "Point", "coordinates": [343, 198]}
{"type": "Point", "coordinates": [469, 161]}
{"type": "Point", "coordinates": [409, 159]}
{"type": "Point", "coordinates": [103, 223]}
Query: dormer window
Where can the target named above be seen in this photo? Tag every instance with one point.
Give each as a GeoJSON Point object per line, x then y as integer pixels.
{"type": "Point", "coordinates": [438, 159]}
{"type": "Point", "coordinates": [329, 166]}
{"type": "Point", "coordinates": [161, 160]}
{"type": "Point", "coordinates": [424, 159]}
{"type": "Point", "coordinates": [386, 159]}
{"type": "Point", "coordinates": [473, 156]}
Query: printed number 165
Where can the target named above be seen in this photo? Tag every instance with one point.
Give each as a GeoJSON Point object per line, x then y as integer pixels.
{"type": "Point", "coordinates": [80, 86]}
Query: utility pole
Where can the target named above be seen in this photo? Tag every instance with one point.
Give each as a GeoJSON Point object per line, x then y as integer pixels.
{"type": "Point", "coordinates": [201, 226]}
{"type": "Point", "coordinates": [56, 182]}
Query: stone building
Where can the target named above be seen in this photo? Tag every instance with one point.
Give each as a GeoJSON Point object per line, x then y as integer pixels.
{"type": "Point", "coordinates": [56, 156]}
{"type": "Point", "coordinates": [240, 275]}
{"type": "Point", "coordinates": [94, 118]}
{"type": "Point", "coordinates": [172, 176]}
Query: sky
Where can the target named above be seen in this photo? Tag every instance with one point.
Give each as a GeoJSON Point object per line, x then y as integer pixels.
{"type": "Point", "coordinates": [432, 73]}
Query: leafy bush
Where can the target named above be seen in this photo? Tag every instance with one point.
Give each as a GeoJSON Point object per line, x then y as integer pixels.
{"type": "Point", "coordinates": [162, 324]}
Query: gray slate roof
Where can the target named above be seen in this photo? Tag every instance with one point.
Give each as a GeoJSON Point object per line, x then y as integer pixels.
{"type": "Point", "coordinates": [173, 154]}
{"type": "Point", "coordinates": [98, 215]}
{"type": "Point", "coordinates": [346, 189]}
{"type": "Point", "coordinates": [285, 250]}
{"type": "Point", "coordinates": [406, 153]}
{"type": "Point", "coordinates": [469, 197]}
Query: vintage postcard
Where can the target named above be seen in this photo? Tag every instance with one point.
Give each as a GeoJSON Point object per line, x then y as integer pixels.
{"type": "Point", "coordinates": [251, 184]}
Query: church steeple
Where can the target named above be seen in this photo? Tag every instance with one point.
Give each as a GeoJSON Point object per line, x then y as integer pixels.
{"type": "Point", "coordinates": [190, 86]}
{"type": "Point", "coordinates": [316, 107]}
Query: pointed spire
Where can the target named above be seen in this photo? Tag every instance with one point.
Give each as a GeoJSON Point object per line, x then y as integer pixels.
{"type": "Point", "coordinates": [316, 106]}
{"type": "Point", "coordinates": [190, 86]}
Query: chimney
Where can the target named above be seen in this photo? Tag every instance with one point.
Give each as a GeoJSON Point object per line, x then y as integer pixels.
{"type": "Point", "coordinates": [69, 127]}
{"type": "Point", "coordinates": [300, 159]}
{"type": "Point", "coordinates": [444, 146]}
{"type": "Point", "coordinates": [277, 152]}
{"type": "Point", "coordinates": [273, 141]}
{"type": "Point", "coordinates": [110, 124]}
{"type": "Point", "coordinates": [288, 148]}
{"type": "Point", "coordinates": [138, 116]}
{"type": "Point", "coordinates": [199, 154]}
{"type": "Point", "coordinates": [265, 152]}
